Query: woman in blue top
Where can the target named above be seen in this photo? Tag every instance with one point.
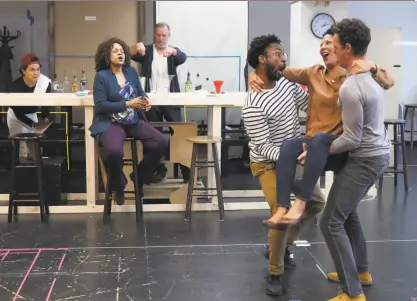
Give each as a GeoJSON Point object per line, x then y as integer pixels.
{"type": "Point", "coordinates": [119, 106]}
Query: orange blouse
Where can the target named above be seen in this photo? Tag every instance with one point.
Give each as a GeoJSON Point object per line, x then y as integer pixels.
{"type": "Point", "coordinates": [323, 113]}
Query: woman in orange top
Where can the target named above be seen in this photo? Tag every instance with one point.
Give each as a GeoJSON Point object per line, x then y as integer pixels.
{"type": "Point", "coordinates": [324, 117]}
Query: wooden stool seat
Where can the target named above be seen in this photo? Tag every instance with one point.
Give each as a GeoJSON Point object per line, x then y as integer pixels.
{"type": "Point", "coordinates": [200, 140]}
{"type": "Point", "coordinates": [204, 139]}
{"type": "Point", "coordinates": [411, 106]}
{"type": "Point", "coordinates": [15, 199]}
{"type": "Point", "coordinates": [26, 136]}
{"type": "Point", "coordinates": [398, 144]}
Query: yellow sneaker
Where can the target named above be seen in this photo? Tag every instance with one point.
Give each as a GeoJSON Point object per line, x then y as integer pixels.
{"type": "Point", "coordinates": [365, 278]}
{"type": "Point", "coordinates": [344, 297]}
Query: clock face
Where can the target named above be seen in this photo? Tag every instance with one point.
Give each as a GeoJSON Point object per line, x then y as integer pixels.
{"type": "Point", "coordinates": [321, 23]}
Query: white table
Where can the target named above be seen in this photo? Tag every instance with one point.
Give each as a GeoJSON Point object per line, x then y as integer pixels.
{"type": "Point", "coordinates": [57, 100]}
{"type": "Point", "coordinates": [213, 102]}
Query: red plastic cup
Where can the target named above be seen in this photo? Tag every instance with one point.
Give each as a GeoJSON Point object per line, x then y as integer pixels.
{"type": "Point", "coordinates": [218, 85]}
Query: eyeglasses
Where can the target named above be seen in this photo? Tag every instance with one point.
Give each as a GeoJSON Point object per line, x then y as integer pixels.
{"type": "Point", "coordinates": [278, 53]}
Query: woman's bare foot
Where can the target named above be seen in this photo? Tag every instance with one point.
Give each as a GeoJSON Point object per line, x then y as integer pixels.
{"type": "Point", "coordinates": [275, 219]}
{"type": "Point", "coordinates": [295, 213]}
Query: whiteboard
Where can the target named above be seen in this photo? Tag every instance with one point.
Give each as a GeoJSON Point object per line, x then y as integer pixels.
{"type": "Point", "coordinates": [213, 34]}
{"type": "Point", "coordinates": [226, 68]}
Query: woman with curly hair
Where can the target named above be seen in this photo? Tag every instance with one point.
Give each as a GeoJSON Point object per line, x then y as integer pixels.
{"type": "Point", "coordinates": [119, 106]}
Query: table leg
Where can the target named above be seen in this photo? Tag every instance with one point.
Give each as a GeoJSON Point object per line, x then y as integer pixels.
{"type": "Point", "coordinates": [90, 160]}
{"type": "Point", "coordinates": [214, 128]}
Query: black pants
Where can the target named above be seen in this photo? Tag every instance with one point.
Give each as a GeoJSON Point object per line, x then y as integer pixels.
{"type": "Point", "coordinates": [169, 114]}
{"type": "Point", "coordinates": [111, 144]}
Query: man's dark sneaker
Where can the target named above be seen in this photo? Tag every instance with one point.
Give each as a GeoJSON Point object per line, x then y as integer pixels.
{"type": "Point", "coordinates": [265, 251]}
{"type": "Point", "coordinates": [158, 177]}
{"type": "Point", "coordinates": [274, 285]}
{"type": "Point", "coordinates": [119, 197]}
{"type": "Point", "coordinates": [288, 261]}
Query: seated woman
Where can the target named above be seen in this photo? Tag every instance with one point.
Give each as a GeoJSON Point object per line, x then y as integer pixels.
{"type": "Point", "coordinates": [119, 106]}
{"type": "Point", "coordinates": [324, 124]}
{"type": "Point", "coordinates": [24, 119]}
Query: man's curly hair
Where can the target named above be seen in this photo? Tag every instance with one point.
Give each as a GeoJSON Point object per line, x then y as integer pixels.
{"type": "Point", "coordinates": [355, 32]}
{"type": "Point", "coordinates": [258, 47]}
{"type": "Point", "coordinates": [102, 58]}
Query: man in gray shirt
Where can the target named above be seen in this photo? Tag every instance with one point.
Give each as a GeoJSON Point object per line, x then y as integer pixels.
{"type": "Point", "coordinates": [365, 137]}
{"type": "Point", "coordinates": [361, 99]}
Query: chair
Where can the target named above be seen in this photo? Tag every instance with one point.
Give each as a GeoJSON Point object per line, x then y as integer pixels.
{"type": "Point", "coordinates": [397, 144]}
{"type": "Point", "coordinates": [138, 188]}
{"type": "Point", "coordinates": [204, 140]}
{"type": "Point", "coordinates": [412, 107]}
{"type": "Point", "coordinates": [15, 199]}
{"type": "Point", "coordinates": [226, 143]}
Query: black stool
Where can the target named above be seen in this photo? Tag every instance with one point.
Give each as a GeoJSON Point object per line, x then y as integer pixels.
{"type": "Point", "coordinates": [412, 107]}
{"type": "Point", "coordinates": [397, 144]}
{"type": "Point", "coordinates": [138, 188]}
{"type": "Point", "coordinates": [15, 199]}
{"type": "Point", "coordinates": [199, 140]}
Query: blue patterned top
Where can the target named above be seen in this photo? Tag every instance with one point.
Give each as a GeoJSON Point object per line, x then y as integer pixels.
{"type": "Point", "coordinates": [130, 115]}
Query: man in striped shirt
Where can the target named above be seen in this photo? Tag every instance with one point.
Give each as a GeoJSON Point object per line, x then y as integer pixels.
{"type": "Point", "coordinates": [270, 118]}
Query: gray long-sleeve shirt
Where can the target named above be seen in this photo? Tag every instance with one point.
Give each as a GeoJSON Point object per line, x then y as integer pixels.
{"type": "Point", "coordinates": [361, 99]}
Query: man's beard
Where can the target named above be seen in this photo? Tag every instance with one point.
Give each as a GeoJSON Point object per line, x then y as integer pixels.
{"type": "Point", "coordinates": [162, 45]}
{"type": "Point", "coordinates": [271, 72]}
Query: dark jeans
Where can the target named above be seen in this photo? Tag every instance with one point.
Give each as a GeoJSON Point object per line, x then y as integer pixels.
{"type": "Point", "coordinates": [111, 143]}
{"type": "Point", "coordinates": [316, 161]}
{"type": "Point", "coordinates": [169, 114]}
{"type": "Point", "coordinates": [340, 223]}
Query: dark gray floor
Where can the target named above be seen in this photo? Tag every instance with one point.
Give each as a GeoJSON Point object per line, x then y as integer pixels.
{"type": "Point", "coordinates": [164, 258]}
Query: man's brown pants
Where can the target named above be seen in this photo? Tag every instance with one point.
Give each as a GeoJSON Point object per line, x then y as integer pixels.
{"type": "Point", "coordinates": [279, 240]}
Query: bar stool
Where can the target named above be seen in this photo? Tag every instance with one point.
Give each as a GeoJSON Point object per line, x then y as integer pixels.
{"type": "Point", "coordinates": [138, 188]}
{"type": "Point", "coordinates": [397, 144]}
{"type": "Point", "coordinates": [206, 140]}
{"type": "Point", "coordinates": [412, 107]}
{"type": "Point", "coordinates": [16, 200]}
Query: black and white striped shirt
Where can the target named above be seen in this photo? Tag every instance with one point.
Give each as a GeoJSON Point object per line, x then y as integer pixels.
{"type": "Point", "coordinates": [272, 117]}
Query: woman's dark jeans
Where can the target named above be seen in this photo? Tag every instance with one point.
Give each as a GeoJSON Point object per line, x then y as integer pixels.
{"type": "Point", "coordinates": [111, 144]}
{"type": "Point", "coordinates": [316, 162]}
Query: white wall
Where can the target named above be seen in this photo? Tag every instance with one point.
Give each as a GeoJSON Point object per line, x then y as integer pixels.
{"type": "Point", "coordinates": [13, 15]}
{"type": "Point", "coordinates": [394, 14]}
{"type": "Point", "coordinates": [270, 17]}
{"type": "Point", "coordinates": [214, 34]}
{"type": "Point", "coordinates": [304, 45]}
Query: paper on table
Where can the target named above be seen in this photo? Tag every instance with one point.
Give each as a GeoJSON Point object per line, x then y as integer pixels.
{"type": "Point", "coordinates": [46, 127]}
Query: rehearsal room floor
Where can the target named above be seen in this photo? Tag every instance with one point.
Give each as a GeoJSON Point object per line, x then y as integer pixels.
{"type": "Point", "coordinates": [76, 257]}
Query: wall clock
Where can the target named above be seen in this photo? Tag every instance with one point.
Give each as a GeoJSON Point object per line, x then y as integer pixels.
{"type": "Point", "coordinates": [321, 23]}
